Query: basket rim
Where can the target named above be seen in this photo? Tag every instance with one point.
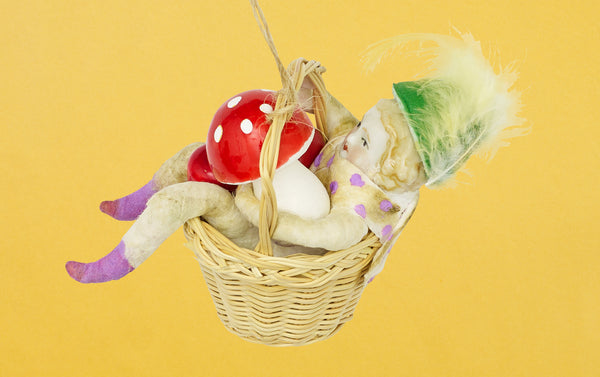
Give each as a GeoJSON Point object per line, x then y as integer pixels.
{"type": "Point", "coordinates": [198, 228]}
{"type": "Point", "coordinates": [285, 274]}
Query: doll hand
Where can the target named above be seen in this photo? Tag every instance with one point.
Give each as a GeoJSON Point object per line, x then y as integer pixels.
{"type": "Point", "coordinates": [305, 94]}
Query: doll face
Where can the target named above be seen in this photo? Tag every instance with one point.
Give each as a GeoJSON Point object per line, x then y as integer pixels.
{"type": "Point", "coordinates": [365, 144]}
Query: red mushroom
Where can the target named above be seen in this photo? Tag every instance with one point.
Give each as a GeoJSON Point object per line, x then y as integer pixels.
{"type": "Point", "coordinates": [199, 169]}
{"type": "Point", "coordinates": [237, 133]}
{"type": "Point", "coordinates": [317, 144]}
{"type": "Point", "coordinates": [235, 138]}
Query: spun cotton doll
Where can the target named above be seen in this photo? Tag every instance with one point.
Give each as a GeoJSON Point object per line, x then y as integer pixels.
{"type": "Point", "coordinates": [372, 169]}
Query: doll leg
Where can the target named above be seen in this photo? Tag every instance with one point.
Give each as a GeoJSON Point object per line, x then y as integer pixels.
{"type": "Point", "coordinates": [174, 170]}
{"type": "Point", "coordinates": [167, 210]}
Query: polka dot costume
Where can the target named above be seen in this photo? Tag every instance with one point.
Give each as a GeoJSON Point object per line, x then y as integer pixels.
{"type": "Point", "coordinates": [351, 188]}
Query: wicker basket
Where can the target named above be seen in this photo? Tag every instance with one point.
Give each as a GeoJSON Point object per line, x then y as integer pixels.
{"type": "Point", "coordinates": [280, 301]}
{"type": "Point", "coordinates": [277, 301]}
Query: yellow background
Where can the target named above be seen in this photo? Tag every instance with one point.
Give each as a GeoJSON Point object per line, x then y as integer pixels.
{"type": "Point", "coordinates": [495, 277]}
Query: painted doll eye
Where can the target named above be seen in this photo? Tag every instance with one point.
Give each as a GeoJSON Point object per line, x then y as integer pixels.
{"type": "Point", "coordinates": [359, 124]}
{"type": "Point", "coordinates": [364, 141]}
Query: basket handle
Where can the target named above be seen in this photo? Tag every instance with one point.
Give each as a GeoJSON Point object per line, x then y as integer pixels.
{"type": "Point", "coordinates": [287, 103]}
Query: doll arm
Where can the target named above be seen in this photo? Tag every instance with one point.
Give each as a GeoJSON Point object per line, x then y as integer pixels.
{"type": "Point", "coordinates": [174, 170]}
{"type": "Point", "coordinates": [339, 120]}
{"type": "Point", "coordinates": [340, 229]}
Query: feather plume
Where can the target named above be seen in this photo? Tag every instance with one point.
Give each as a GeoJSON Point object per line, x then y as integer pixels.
{"type": "Point", "coordinates": [468, 108]}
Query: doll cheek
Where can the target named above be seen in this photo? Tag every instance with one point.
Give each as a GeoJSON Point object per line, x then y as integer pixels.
{"type": "Point", "coordinates": [357, 156]}
{"type": "Point", "coordinates": [353, 150]}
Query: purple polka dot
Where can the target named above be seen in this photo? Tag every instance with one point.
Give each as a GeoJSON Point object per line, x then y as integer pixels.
{"type": "Point", "coordinates": [385, 205]}
{"type": "Point", "coordinates": [356, 180]}
{"type": "Point", "coordinates": [371, 279]}
{"type": "Point", "coordinates": [333, 186]}
{"type": "Point", "coordinates": [317, 161]}
{"type": "Point", "coordinates": [386, 232]}
{"type": "Point", "coordinates": [330, 161]}
{"type": "Point", "coordinates": [360, 210]}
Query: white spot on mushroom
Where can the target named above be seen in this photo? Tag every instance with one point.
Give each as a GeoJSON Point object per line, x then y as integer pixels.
{"type": "Point", "coordinates": [234, 101]}
{"type": "Point", "coordinates": [246, 126]}
{"type": "Point", "coordinates": [266, 108]}
{"type": "Point", "coordinates": [218, 133]}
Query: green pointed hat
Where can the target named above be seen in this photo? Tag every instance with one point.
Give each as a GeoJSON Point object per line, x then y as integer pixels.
{"type": "Point", "coordinates": [443, 145]}
{"type": "Point", "coordinates": [461, 107]}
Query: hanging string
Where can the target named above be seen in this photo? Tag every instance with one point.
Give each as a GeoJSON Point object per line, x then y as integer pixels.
{"type": "Point", "coordinates": [287, 103]}
{"type": "Point", "coordinates": [286, 80]}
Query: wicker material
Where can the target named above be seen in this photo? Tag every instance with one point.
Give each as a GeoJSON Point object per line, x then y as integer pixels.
{"type": "Point", "coordinates": [280, 301]}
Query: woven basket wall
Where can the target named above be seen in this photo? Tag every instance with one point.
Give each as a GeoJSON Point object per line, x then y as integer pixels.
{"type": "Point", "coordinates": [280, 301]}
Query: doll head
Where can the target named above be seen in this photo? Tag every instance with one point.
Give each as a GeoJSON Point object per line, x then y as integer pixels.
{"type": "Point", "coordinates": [382, 146]}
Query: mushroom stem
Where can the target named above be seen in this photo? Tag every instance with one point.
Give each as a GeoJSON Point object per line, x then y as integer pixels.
{"type": "Point", "coordinates": [298, 191]}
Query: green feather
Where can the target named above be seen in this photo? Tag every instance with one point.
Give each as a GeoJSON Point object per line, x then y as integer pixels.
{"type": "Point", "coordinates": [459, 108]}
